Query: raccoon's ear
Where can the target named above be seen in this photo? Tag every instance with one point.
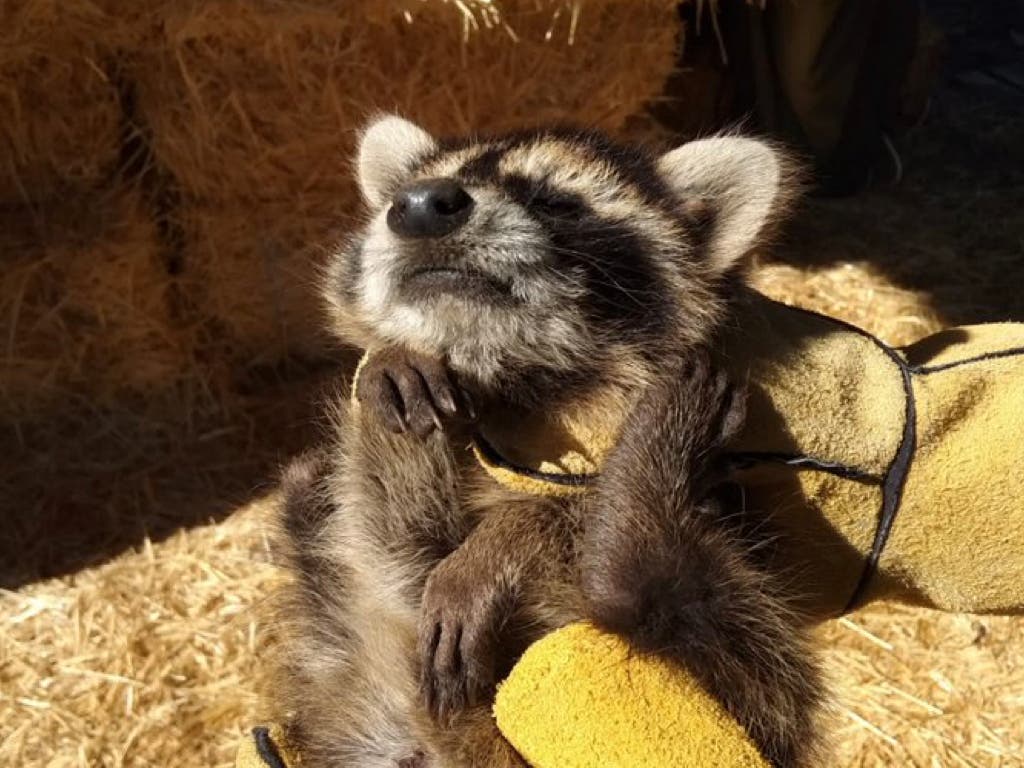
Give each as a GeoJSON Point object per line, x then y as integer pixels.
{"type": "Point", "coordinates": [388, 149]}
{"type": "Point", "coordinates": [743, 186]}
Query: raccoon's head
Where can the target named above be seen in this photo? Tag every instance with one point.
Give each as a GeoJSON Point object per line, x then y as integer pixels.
{"type": "Point", "coordinates": [552, 250]}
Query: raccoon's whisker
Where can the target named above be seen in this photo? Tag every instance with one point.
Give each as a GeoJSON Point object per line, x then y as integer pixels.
{"type": "Point", "coordinates": [592, 256]}
{"type": "Point", "coordinates": [634, 296]}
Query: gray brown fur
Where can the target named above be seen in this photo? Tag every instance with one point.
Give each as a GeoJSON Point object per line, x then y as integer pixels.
{"type": "Point", "coordinates": [689, 586]}
{"type": "Point", "coordinates": [417, 579]}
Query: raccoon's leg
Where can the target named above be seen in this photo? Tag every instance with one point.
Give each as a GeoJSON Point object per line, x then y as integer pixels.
{"type": "Point", "coordinates": [344, 679]}
{"type": "Point", "coordinates": [399, 485]}
{"type": "Point", "coordinates": [512, 581]}
{"type": "Point", "coordinates": [661, 565]}
{"type": "Point", "coordinates": [399, 474]}
{"type": "Point", "coordinates": [364, 528]}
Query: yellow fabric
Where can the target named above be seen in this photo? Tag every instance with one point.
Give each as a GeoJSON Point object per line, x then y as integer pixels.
{"type": "Point", "coordinates": [799, 368]}
{"type": "Point", "coordinates": [248, 755]}
{"type": "Point", "coordinates": [822, 389]}
{"type": "Point", "coordinates": [958, 538]}
{"type": "Point", "coordinates": [580, 699]}
{"type": "Point", "coordinates": [522, 482]}
{"type": "Point", "coordinates": [574, 440]}
{"type": "Point", "coordinates": [958, 541]}
{"type": "Point", "coordinates": [816, 387]}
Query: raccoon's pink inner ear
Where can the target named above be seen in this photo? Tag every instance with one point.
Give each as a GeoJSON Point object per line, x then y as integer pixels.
{"type": "Point", "coordinates": [388, 149]}
{"type": "Point", "coordinates": [742, 183]}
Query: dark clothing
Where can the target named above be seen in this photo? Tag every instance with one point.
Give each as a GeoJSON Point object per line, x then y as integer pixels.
{"type": "Point", "coordinates": [825, 76]}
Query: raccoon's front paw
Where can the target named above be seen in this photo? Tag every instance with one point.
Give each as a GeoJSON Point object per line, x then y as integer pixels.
{"type": "Point", "coordinates": [463, 609]}
{"type": "Point", "coordinates": [410, 392]}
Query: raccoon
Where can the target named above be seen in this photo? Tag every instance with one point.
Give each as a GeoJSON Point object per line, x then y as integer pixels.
{"type": "Point", "coordinates": [530, 271]}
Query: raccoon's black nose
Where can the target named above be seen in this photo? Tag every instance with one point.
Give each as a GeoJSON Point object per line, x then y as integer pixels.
{"type": "Point", "coordinates": [429, 208]}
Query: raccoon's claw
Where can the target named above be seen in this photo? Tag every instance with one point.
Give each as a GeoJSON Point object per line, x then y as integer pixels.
{"type": "Point", "coordinates": [458, 631]}
{"type": "Point", "coordinates": [410, 392]}
{"type": "Point", "coordinates": [416, 760]}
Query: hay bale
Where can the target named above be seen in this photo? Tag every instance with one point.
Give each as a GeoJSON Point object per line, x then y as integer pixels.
{"type": "Point", "coordinates": [261, 101]}
{"type": "Point", "coordinates": [61, 115]}
{"type": "Point", "coordinates": [86, 304]}
{"type": "Point", "coordinates": [253, 281]}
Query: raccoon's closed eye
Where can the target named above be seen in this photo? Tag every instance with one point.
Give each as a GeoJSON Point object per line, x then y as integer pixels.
{"type": "Point", "coordinates": [556, 204]}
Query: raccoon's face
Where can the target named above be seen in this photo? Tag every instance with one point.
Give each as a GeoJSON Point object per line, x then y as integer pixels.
{"type": "Point", "coordinates": [548, 250]}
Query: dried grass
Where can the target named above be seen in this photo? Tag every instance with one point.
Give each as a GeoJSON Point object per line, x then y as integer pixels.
{"type": "Point", "coordinates": [261, 101]}
{"type": "Point", "coordinates": [252, 283]}
{"type": "Point", "coordinates": [921, 688]}
{"type": "Point", "coordinates": [61, 115]}
{"type": "Point", "coordinates": [858, 292]}
{"type": "Point", "coordinates": [149, 660]}
{"type": "Point", "coordinates": [85, 303]}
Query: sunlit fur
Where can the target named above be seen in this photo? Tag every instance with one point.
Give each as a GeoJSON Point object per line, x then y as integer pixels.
{"type": "Point", "coordinates": [619, 267]}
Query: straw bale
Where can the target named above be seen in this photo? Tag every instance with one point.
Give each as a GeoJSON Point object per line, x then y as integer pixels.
{"type": "Point", "coordinates": [245, 115]}
{"type": "Point", "coordinates": [263, 100]}
{"type": "Point", "coordinates": [253, 280]}
{"type": "Point", "coordinates": [61, 114]}
{"type": "Point", "coordinates": [85, 302]}
{"type": "Point", "coordinates": [82, 481]}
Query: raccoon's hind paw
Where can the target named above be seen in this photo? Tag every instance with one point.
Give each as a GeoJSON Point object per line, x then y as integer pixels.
{"type": "Point", "coordinates": [462, 612]}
